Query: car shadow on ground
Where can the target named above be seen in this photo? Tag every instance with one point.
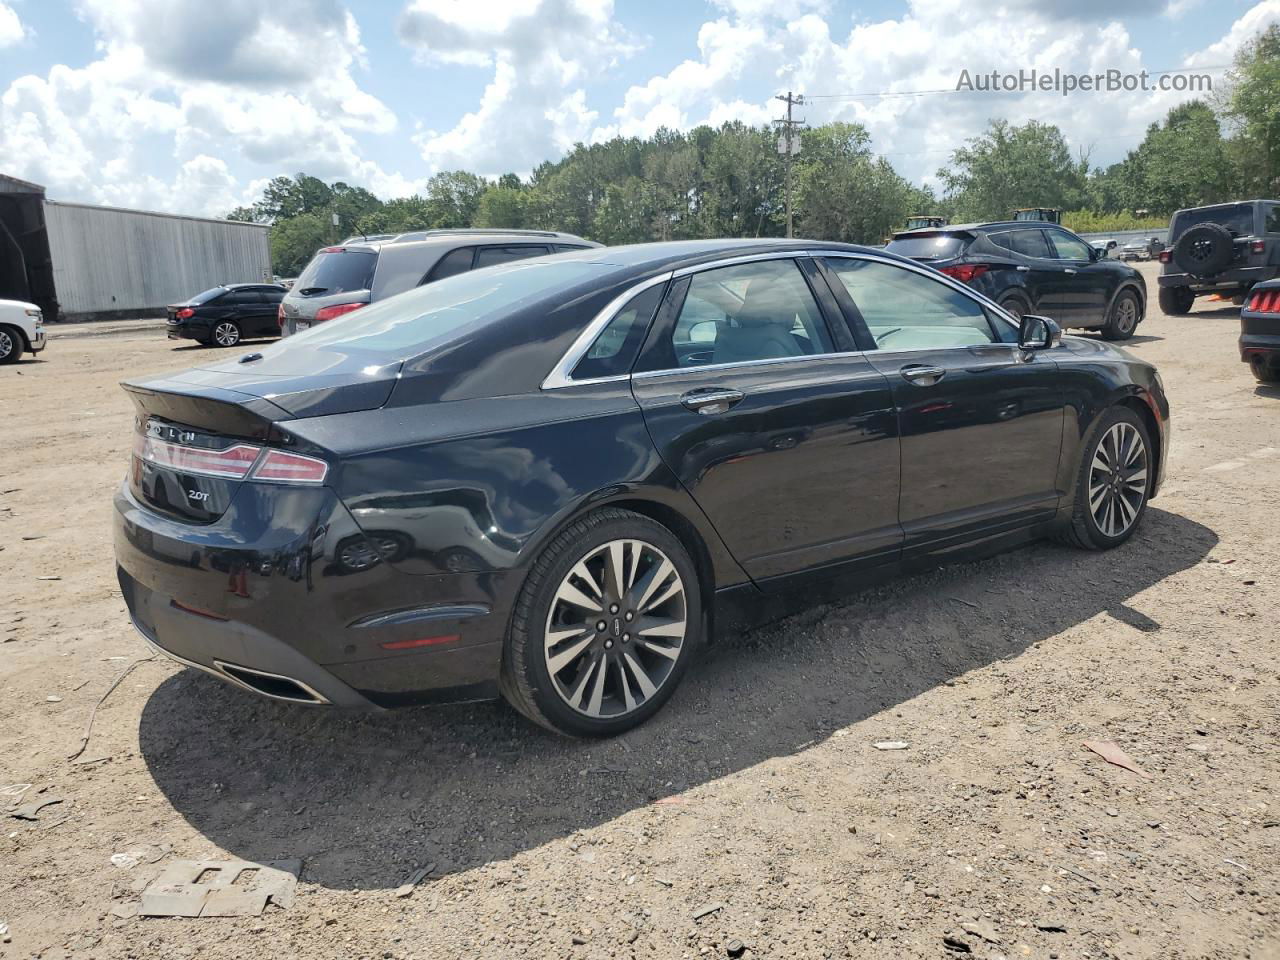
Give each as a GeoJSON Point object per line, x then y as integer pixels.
{"type": "Point", "coordinates": [364, 798]}
{"type": "Point", "coordinates": [1271, 391]}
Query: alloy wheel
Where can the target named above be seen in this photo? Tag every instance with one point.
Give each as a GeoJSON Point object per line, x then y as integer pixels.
{"type": "Point", "coordinates": [1118, 479]}
{"type": "Point", "coordinates": [1126, 314]}
{"type": "Point", "coordinates": [6, 344]}
{"type": "Point", "coordinates": [226, 334]}
{"type": "Point", "coordinates": [616, 627]}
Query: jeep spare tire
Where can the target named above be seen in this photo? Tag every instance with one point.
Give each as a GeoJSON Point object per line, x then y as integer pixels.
{"type": "Point", "coordinates": [1204, 249]}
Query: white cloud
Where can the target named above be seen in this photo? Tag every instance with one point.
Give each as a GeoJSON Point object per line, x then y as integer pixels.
{"type": "Point", "coordinates": [11, 29]}
{"type": "Point", "coordinates": [924, 49]}
{"type": "Point", "coordinates": [270, 85]}
{"type": "Point", "coordinates": [543, 54]}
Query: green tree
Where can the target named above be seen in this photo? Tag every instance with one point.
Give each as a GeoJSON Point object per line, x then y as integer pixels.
{"type": "Point", "coordinates": [1251, 107]}
{"type": "Point", "coordinates": [502, 207]}
{"type": "Point", "coordinates": [1009, 167]}
{"type": "Point", "coordinates": [453, 197]}
{"type": "Point", "coordinates": [296, 239]}
{"type": "Point", "coordinates": [1183, 162]}
{"type": "Point", "coordinates": [397, 216]}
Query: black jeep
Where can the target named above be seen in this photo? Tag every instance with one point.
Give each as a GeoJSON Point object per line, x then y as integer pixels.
{"type": "Point", "coordinates": [1225, 249]}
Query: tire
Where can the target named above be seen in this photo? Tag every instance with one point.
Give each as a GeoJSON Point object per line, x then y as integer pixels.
{"type": "Point", "coordinates": [1091, 526]}
{"type": "Point", "coordinates": [1125, 315]}
{"type": "Point", "coordinates": [1204, 250]}
{"type": "Point", "coordinates": [578, 685]}
{"type": "Point", "coordinates": [1015, 306]}
{"type": "Point", "coordinates": [1262, 371]}
{"type": "Point", "coordinates": [1175, 301]}
{"type": "Point", "coordinates": [226, 333]}
{"type": "Point", "coordinates": [11, 345]}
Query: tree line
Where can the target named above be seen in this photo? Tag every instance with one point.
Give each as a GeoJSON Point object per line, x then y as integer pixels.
{"type": "Point", "coordinates": [728, 181]}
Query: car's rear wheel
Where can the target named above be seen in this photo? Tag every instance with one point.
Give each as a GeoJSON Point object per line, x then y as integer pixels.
{"type": "Point", "coordinates": [1015, 306]}
{"type": "Point", "coordinates": [1176, 301]}
{"type": "Point", "coordinates": [605, 626]}
{"type": "Point", "coordinates": [1124, 317]}
{"type": "Point", "coordinates": [1264, 371]}
{"type": "Point", "coordinates": [226, 333]}
{"type": "Point", "coordinates": [1113, 482]}
{"type": "Point", "coordinates": [10, 345]}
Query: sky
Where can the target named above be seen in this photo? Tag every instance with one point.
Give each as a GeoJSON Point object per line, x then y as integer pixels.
{"type": "Point", "coordinates": [191, 106]}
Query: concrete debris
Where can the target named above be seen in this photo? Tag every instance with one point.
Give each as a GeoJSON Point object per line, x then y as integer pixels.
{"type": "Point", "coordinates": [406, 889]}
{"type": "Point", "coordinates": [707, 910]}
{"type": "Point", "coordinates": [220, 888]}
{"type": "Point", "coordinates": [891, 745]}
{"type": "Point", "coordinates": [31, 811]}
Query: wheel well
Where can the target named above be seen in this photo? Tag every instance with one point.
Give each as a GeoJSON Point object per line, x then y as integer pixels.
{"type": "Point", "coordinates": [1149, 419]}
{"type": "Point", "coordinates": [22, 336]}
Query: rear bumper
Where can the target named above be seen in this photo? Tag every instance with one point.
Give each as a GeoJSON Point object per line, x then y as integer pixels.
{"type": "Point", "coordinates": [186, 331]}
{"type": "Point", "coordinates": [261, 598]}
{"type": "Point", "coordinates": [1237, 279]}
{"type": "Point", "coordinates": [1260, 345]}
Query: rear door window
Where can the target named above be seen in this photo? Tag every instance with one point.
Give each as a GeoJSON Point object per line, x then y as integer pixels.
{"type": "Point", "coordinates": [1029, 243]}
{"type": "Point", "coordinates": [1273, 218]}
{"type": "Point", "coordinates": [566, 247]}
{"type": "Point", "coordinates": [489, 256]}
{"type": "Point", "coordinates": [451, 264]}
{"type": "Point", "coordinates": [337, 270]}
{"type": "Point", "coordinates": [207, 295]}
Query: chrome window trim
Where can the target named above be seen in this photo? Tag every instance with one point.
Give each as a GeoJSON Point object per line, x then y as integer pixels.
{"type": "Point", "coordinates": [698, 368]}
{"type": "Point", "coordinates": [561, 374]}
{"type": "Point", "coordinates": [797, 254]}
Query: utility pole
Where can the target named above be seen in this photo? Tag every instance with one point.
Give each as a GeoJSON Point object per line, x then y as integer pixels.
{"type": "Point", "coordinates": [789, 144]}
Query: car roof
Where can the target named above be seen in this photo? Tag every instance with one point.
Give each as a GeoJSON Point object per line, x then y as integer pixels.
{"type": "Point", "coordinates": [987, 227]}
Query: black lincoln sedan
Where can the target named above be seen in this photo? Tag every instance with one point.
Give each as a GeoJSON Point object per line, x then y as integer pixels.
{"type": "Point", "coordinates": [223, 316]}
{"type": "Point", "coordinates": [553, 479]}
{"type": "Point", "coordinates": [1034, 267]}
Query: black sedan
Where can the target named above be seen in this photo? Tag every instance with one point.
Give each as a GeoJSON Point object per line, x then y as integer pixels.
{"type": "Point", "coordinates": [554, 478]}
{"type": "Point", "coordinates": [223, 316]}
{"type": "Point", "coordinates": [1041, 268]}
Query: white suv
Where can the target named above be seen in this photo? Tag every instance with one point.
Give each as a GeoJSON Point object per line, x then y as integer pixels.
{"type": "Point", "coordinates": [21, 330]}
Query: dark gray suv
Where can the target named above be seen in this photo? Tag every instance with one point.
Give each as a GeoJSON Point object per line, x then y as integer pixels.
{"type": "Point", "coordinates": [1225, 248]}
{"type": "Point", "coordinates": [343, 278]}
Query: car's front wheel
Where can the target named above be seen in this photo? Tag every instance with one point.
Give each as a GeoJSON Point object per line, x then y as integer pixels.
{"type": "Point", "coordinates": [10, 345]}
{"type": "Point", "coordinates": [1124, 317]}
{"type": "Point", "coordinates": [605, 626]}
{"type": "Point", "coordinates": [1113, 482]}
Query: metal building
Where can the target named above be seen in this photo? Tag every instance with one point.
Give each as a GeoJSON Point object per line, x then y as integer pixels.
{"type": "Point", "coordinates": [81, 262]}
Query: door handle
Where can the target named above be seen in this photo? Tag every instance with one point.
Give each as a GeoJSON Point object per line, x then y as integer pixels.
{"type": "Point", "coordinates": [711, 400]}
{"type": "Point", "coordinates": [922, 375]}
{"type": "Point", "coordinates": [1022, 268]}
{"type": "Point", "coordinates": [1070, 270]}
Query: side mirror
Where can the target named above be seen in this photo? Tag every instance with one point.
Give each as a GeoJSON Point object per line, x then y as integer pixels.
{"type": "Point", "coordinates": [1038, 333]}
{"type": "Point", "coordinates": [1112, 244]}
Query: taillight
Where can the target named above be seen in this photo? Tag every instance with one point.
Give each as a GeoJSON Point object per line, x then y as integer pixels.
{"type": "Point", "coordinates": [233, 463]}
{"type": "Point", "coordinates": [337, 310]}
{"type": "Point", "coordinates": [965, 272]}
{"type": "Point", "coordinates": [1265, 301]}
{"type": "Point", "coordinates": [1258, 246]}
{"type": "Point", "coordinates": [284, 467]}
{"type": "Point", "coordinates": [1166, 256]}
{"type": "Point", "coordinates": [185, 313]}
{"type": "Point", "coordinates": [280, 316]}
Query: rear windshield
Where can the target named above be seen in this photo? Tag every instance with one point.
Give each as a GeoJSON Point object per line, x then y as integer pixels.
{"type": "Point", "coordinates": [933, 246]}
{"type": "Point", "coordinates": [337, 270]}
{"type": "Point", "coordinates": [1238, 218]}
{"type": "Point", "coordinates": [408, 324]}
{"type": "Point", "coordinates": [208, 295]}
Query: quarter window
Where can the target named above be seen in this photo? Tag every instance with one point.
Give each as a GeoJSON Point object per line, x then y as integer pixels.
{"type": "Point", "coordinates": [905, 310]}
{"type": "Point", "coordinates": [1069, 247]}
{"type": "Point", "coordinates": [753, 311]}
{"type": "Point", "coordinates": [452, 263]}
{"type": "Point", "coordinates": [615, 349]}
{"type": "Point", "coordinates": [488, 256]}
{"type": "Point", "coordinates": [1273, 218]}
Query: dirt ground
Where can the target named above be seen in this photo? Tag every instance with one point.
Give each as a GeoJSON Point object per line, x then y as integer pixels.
{"type": "Point", "coordinates": [994, 828]}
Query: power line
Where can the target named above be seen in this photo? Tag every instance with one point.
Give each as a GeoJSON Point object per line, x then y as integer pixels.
{"type": "Point", "coordinates": [896, 94]}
